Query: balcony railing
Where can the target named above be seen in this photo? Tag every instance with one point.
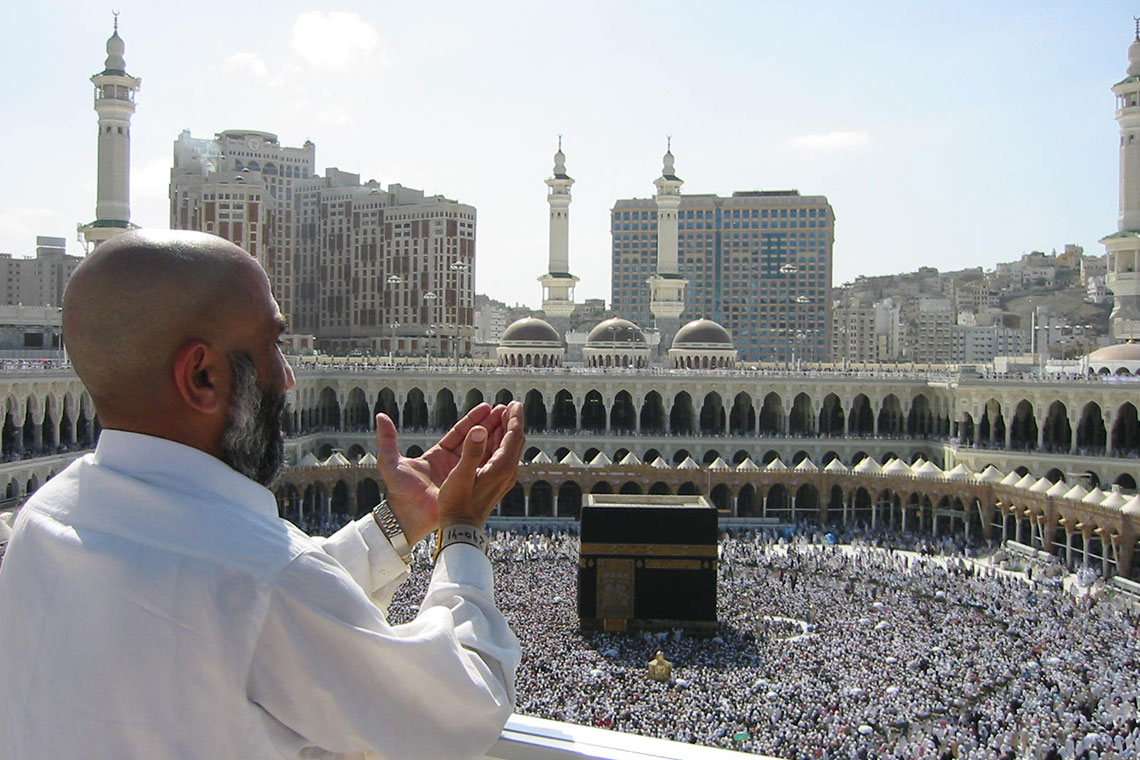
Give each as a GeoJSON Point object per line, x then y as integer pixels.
{"type": "Point", "coordinates": [526, 738]}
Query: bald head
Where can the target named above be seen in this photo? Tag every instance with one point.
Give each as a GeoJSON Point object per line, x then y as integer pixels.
{"type": "Point", "coordinates": [132, 304]}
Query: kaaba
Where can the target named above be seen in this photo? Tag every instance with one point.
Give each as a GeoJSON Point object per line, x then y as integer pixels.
{"type": "Point", "coordinates": [647, 563]}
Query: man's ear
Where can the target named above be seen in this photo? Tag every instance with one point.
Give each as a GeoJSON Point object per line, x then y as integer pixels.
{"type": "Point", "coordinates": [199, 374]}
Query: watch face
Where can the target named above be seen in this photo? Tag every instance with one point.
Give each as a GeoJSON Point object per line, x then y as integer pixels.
{"type": "Point", "coordinates": [254, 143]}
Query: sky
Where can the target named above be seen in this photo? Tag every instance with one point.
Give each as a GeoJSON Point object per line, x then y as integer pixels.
{"type": "Point", "coordinates": [945, 134]}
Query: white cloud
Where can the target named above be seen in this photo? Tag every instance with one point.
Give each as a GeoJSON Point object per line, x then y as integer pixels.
{"type": "Point", "coordinates": [333, 40]}
{"type": "Point", "coordinates": [831, 141]}
{"type": "Point", "coordinates": [253, 66]}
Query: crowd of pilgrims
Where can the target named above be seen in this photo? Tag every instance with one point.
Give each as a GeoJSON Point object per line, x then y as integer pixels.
{"type": "Point", "coordinates": [860, 646]}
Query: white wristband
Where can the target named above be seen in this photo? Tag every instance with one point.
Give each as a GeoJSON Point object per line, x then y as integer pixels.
{"type": "Point", "coordinates": [460, 534]}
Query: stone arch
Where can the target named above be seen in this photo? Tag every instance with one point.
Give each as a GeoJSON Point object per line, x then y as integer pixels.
{"type": "Point", "coordinates": [991, 428]}
{"type": "Point", "coordinates": [472, 399]}
{"type": "Point", "coordinates": [446, 413]}
{"type": "Point", "coordinates": [541, 499]}
{"type": "Point", "coordinates": [682, 418]}
{"type": "Point", "coordinates": [415, 410]}
{"type": "Point", "coordinates": [513, 504]}
{"type": "Point", "coordinates": [653, 419]}
{"type": "Point", "coordinates": [712, 417]}
{"type": "Point", "coordinates": [801, 418]}
{"type": "Point", "coordinates": [1057, 433]}
{"type": "Point", "coordinates": [1126, 431]}
{"type": "Point", "coordinates": [1023, 426]}
{"type": "Point", "coordinates": [1091, 436]}
{"type": "Point", "coordinates": [386, 404]}
{"type": "Point", "coordinates": [564, 414]}
{"type": "Point", "coordinates": [891, 416]}
{"type": "Point", "coordinates": [920, 420]}
{"type": "Point", "coordinates": [623, 415]}
{"type": "Point", "coordinates": [356, 417]}
{"type": "Point", "coordinates": [593, 412]}
{"type": "Point", "coordinates": [746, 503]}
{"type": "Point", "coordinates": [832, 420]}
{"type": "Point", "coordinates": [862, 419]}
{"type": "Point", "coordinates": [721, 497]}
{"type": "Point", "coordinates": [630, 487]}
{"type": "Point", "coordinates": [742, 418]}
{"type": "Point", "coordinates": [534, 411]}
{"type": "Point", "coordinates": [772, 415]}
{"type": "Point", "coordinates": [328, 409]}
{"type": "Point", "coordinates": [778, 503]}
{"type": "Point", "coordinates": [569, 499]}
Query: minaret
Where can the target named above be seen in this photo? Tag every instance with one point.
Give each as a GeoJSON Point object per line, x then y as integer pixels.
{"type": "Point", "coordinates": [667, 287]}
{"type": "Point", "coordinates": [115, 103]}
{"type": "Point", "coordinates": [558, 284]}
{"type": "Point", "coordinates": [1123, 246]}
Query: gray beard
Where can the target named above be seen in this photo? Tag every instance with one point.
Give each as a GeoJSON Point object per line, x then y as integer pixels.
{"type": "Point", "coordinates": [252, 441]}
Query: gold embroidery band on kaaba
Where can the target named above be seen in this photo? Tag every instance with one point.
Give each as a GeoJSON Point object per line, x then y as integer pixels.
{"type": "Point", "coordinates": [657, 550]}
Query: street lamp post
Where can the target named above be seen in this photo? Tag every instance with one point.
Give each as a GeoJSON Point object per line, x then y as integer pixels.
{"type": "Point", "coordinates": [393, 280]}
{"type": "Point", "coordinates": [431, 297]}
{"type": "Point", "coordinates": [459, 267]}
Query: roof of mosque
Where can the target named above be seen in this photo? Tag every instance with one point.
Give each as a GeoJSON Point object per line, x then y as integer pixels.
{"type": "Point", "coordinates": [616, 330]}
{"type": "Point", "coordinates": [1121, 352]}
{"type": "Point", "coordinates": [702, 331]}
{"type": "Point", "coordinates": [530, 330]}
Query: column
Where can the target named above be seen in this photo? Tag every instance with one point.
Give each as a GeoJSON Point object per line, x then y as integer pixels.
{"type": "Point", "coordinates": [1068, 547]}
{"type": "Point", "coordinates": [764, 506]}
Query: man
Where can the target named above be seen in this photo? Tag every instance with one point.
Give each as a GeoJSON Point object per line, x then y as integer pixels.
{"type": "Point", "coordinates": [152, 603]}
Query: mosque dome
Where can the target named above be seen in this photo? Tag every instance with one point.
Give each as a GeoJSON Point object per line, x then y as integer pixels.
{"type": "Point", "coordinates": [701, 332]}
{"type": "Point", "coordinates": [616, 330]}
{"type": "Point", "coordinates": [530, 330]}
{"type": "Point", "coordinates": [530, 342]}
{"type": "Point", "coordinates": [616, 343]}
{"type": "Point", "coordinates": [702, 344]}
{"type": "Point", "coordinates": [1121, 352]}
{"type": "Point", "coordinates": [1119, 359]}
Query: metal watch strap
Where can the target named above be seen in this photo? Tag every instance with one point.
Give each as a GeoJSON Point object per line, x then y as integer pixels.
{"type": "Point", "coordinates": [391, 529]}
{"type": "Point", "coordinates": [460, 534]}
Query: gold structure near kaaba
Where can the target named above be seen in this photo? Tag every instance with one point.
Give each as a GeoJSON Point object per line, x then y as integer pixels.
{"type": "Point", "coordinates": [660, 669]}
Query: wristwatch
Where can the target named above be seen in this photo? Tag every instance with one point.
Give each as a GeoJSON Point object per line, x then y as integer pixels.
{"type": "Point", "coordinates": [392, 531]}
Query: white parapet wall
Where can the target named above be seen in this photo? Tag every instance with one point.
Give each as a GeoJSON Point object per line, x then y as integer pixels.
{"type": "Point", "coordinates": [526, 738]}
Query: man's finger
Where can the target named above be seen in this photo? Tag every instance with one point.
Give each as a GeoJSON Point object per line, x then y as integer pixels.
{"type": "Point", "coordinates": [500, 470]}
{"type": "Point", "coordinates": [387, 452]}
{"type": "Point", "coordinates": [462, 477]}
{"type": "Point", "coordinates": [455, 437]}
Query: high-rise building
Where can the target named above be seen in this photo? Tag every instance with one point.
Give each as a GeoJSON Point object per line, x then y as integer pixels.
{"type": "Point", "coordinates": [115, 103]}
{"type": "Point", "coordinates": [758, 262]}
{"type": "Point", "coordinates": [360, 267]}
{"type": "Point", "coordinates": [39, 281]}
{"type": "Point", "coordinates": [1123, 246]}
